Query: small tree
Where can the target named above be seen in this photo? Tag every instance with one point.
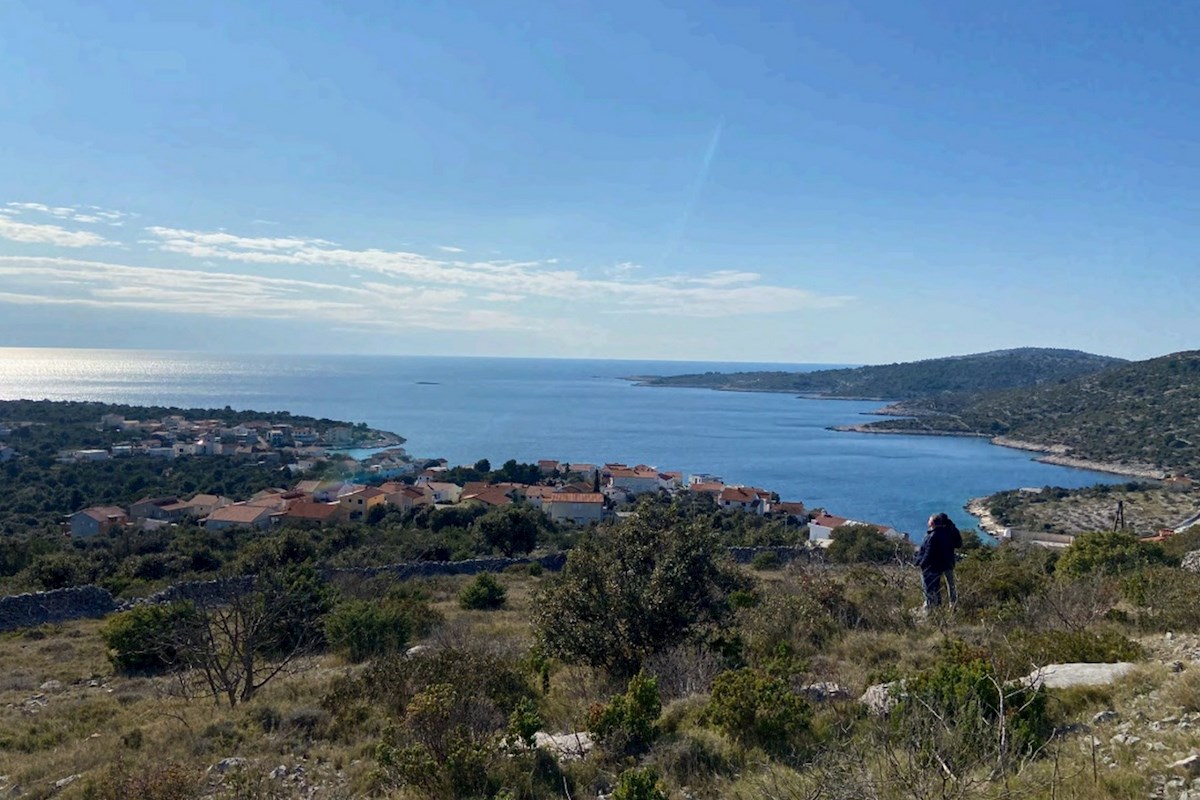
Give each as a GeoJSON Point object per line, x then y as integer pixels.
{"type": "Point", "coordinates": [633, 590]}
{"type": "Point", "coordinates": [253, 631]}
{"type": "Point", "coordinates": [754, 708]}
{"type": "Point", "coordinates": [511, 529]}
{"type": "Point", "coordinates": [627, 723]}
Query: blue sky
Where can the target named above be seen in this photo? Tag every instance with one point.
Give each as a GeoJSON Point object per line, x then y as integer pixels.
{"type": "Point", "coordinates": [808, 182]}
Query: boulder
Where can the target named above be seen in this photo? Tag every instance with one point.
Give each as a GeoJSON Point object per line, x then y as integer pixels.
{"type": "Point", "coordinates": [1064, 676]}
{"type": "Point", "coordinates": [227, 764]}
{"type": "Point", "coordinates": [1191, 561]}
{"type": "Point", "coordinates": [1104, 716]}
{"type": "Point", "coordinates": [880, 699]}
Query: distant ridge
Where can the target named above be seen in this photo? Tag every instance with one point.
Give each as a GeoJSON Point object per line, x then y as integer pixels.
{"type": "Point", "coordinates": [1137, 413]}
{"type": "Point", "coordinates": [952, 375]}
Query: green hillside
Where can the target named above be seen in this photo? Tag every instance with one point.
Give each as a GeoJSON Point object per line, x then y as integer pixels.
{"type": "Point", "coordinates": [1144, 411]}
{"type": "Point", "coordinates": [980, 372]}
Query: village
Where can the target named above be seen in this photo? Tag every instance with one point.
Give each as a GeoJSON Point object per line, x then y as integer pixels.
{"type": "Point", "coordinates": [388, 478]}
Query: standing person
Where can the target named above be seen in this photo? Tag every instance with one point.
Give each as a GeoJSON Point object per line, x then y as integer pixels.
{"type": "Point", "coordinates": [936, 558]}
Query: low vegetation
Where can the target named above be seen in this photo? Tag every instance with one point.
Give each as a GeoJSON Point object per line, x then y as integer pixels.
{"type": "Point", "coordinates": [661, 669]}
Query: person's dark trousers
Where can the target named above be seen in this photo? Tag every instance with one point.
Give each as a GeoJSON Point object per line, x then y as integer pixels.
{"type": "Point", "coordinates": [932, 581]}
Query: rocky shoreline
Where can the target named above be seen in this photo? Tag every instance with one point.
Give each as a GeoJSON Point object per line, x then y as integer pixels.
{"type": "Point", "coordinates": [1050, 454]}
{"type": "Point", "coordinates": [977, 507]}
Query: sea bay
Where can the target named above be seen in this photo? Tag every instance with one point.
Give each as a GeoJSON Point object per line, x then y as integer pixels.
{"type": "Point", "coordinates": [464, 409]}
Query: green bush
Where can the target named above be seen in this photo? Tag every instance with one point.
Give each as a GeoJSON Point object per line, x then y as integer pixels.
{"type": "Point", "coordinates": [961, 715]}
{"type": "Point", "coordinates": [1108, 553]}
{"type": "Point", "coordinates": [754, 708]}
{"type": "Point", "coordinates": [1165, 598]}
{"type": "Point", "coordinates": [796, 623]}
{"type": "Point", "coordinates": [149, 639]}
{"type": "Point", "coordinates": [768, 559]}
{"type": "Point", "coordinates": [1065, 647]}
{"type": "Point", "coordinates": [361, 629]}
{"type": "Point", "coordinates": [863, 543]}
{"type": "Point", "coordinates": [627, 723]}
{"type": "Point", "coordinates": [483, 594]}
{"type": "Point", "coordinates": [638, 784]}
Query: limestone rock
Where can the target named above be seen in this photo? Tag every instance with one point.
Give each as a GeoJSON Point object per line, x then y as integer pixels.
{"type": "Point", "coordinates": [227, 764]}
{"type": "Point", "coordinates": [880, 699]}
{"type": "Point", "coordinates": [63, 783]}
{"type": "Point", "coordinates": [824, 691]}
{"type": "Point", "coordinates": [1102, 717]}
{"type": "Point", "coordinates": [1064, 676]}
{"type": "Point", "coordinates": [1189, 766]}
{"type": "Point", "coordinates": [1191, 561]}
{"type": "Point", "coordinates": [51, 686]}
{"type": "Point", "coordinates": [565, 746]}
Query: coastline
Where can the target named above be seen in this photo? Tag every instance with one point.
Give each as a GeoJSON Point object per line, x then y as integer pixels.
{"type": "Point", "coordinates": [977, 507]}
{"type": "Point", "coordinates": [1050, 454]}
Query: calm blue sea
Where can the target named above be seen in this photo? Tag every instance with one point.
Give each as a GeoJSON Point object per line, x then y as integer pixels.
{"type": "Point", "coordinates": [464, 409]}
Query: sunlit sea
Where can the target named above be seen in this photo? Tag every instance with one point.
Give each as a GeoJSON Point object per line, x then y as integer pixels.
{"type": "Point", "coordinates": [464, 409]}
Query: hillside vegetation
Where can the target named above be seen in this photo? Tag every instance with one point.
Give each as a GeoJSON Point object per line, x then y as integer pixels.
{"type": "Point", "coordinates": [1145, 412]}
{"type": "Point", "coordinates": [980, 372]}
{"type": "Point", "coordinates": [650, 668]}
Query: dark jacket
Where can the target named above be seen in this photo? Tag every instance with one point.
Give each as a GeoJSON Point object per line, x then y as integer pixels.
{"type": "Point", "coordinates": [937, 551]}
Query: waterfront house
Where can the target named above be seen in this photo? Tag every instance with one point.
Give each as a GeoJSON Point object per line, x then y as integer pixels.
{"type": "Point", "coordinates": [742, 498]}
{"type": "Point", "coordinates": [634, 480]}
{"type": "Point", "coordinates": [96, 520]}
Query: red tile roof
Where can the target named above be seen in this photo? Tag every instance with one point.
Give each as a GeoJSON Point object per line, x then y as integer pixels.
{"type": "Point", "coordinates": [575, 497]}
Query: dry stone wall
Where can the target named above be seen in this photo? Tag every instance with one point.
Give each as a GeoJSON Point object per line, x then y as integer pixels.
{"type": "Point", "coordinates": [92, 602]}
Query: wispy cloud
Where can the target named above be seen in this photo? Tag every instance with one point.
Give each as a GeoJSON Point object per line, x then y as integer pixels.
{"type": "Point", "coordinates": [715, 294]}
{"type": "Point", "coordinates": [364, 288]}
{"type": "Point", "coordinates": [91, 215]}
{"type": "Point", "coordinates": [47, 233]}
{"type": "Point", "coordinates": [226, 294]}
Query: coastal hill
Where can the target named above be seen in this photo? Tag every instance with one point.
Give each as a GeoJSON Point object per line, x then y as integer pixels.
{"type": "Point", "coordinates": [979, 372]}
{"type": "Point", "coordinates": [1143, 412]}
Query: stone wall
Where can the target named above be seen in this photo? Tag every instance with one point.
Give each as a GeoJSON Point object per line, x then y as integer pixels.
{"type": "Point", "coordinates": [92, 602]}
{"type": "Point", "coordinates": [60, 605]}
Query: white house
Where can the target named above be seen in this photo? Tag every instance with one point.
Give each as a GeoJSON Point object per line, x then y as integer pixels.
{"type": "Point", "coordinates": [820, 528]}
{"type": "Point", "coordinates": [635, 480]}
{"type": "Point", "coordinates": [578, 507]}
{"type": "Point", "coordinates": [442, 492]}
{"type": "Point", "coordinates": [742, 498]}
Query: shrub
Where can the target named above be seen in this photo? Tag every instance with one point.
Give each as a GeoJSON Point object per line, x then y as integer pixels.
{"type": "Point", "coordinates": [754, 708]}
{"type": "Point", "coordinates": [1165, 598]}
{"type": "Point", "coordinates": [863, 543]}
{"type": "Point", "coordinates": [1058, 647]}
{"type": "Point", "coordinates": [643, 586]}
{"type": "Point", "coordinates": [483, 594]}
{"type": "Point", "coordinates": [960, 714]}
{"type": "Point", "coordinates": [795, 624]}
{"type": "Point", "coordinates": [1108, 553]}
{"type": "Point", "coordinates": [151, 782]}
{"type": "Point", "coordinates": [626, 725]}
{"type": "Point", "coordinates": [149, 639]}
{"type": "Point", "coordinates": [638, 784]}
{"type": "Point", "coordinates": [524, 722]}
{"type": "Point", "coordinates": [361, 629]}
{"type": "Point", "coordinates": [768, 559]}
